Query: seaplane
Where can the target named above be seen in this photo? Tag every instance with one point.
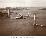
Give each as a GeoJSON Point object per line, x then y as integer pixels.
{"type": "Point", "coordinates": [20, 16]}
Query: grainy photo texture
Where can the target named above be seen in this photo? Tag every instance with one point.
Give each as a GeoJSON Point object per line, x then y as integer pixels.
{"type": "Point", "coordinates": [22, 17]}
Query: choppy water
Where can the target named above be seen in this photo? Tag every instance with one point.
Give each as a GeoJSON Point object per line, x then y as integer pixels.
{"type": "Point", "coordinates": [23, 26]}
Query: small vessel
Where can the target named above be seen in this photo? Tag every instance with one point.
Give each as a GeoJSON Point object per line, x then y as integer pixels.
{"type": "Point", "coordinates": [19, 16]}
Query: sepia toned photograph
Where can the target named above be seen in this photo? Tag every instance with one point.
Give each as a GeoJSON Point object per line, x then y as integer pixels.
{"type": "Point", "coordinates": [22, 17]}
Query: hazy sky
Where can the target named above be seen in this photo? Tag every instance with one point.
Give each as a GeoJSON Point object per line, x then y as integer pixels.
{"type": "Point", "coordinates": [23, 3]}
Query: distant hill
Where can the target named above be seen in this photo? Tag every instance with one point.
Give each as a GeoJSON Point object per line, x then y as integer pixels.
{"type": "Point", "coordinates": [43, 9]}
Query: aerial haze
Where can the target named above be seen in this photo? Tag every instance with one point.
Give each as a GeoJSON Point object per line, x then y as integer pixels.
{"type": "Point", "coordinates": [22, 3]}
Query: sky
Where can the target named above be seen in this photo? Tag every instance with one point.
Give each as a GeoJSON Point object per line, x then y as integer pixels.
{"type": "Point", "coordinates": [22, 3]}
